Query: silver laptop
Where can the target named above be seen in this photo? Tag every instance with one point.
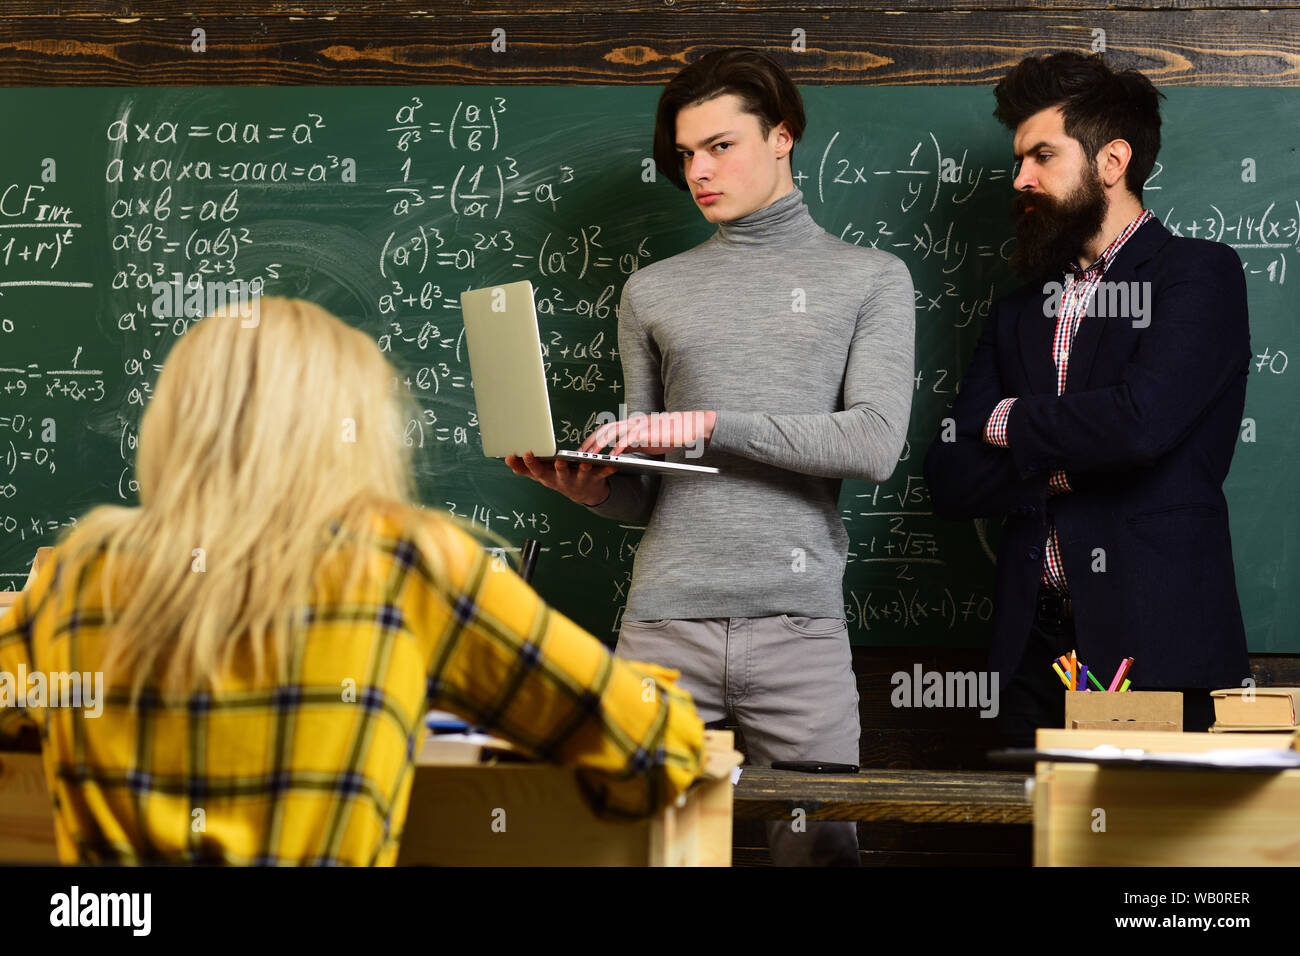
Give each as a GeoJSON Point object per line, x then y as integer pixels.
{"type": "Point", "coordinates": [514, 409]}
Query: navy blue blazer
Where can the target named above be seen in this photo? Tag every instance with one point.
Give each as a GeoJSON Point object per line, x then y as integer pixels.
{"type": "Point", "coordinates": [1145, 431]}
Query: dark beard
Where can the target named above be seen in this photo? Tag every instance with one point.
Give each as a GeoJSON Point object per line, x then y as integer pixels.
{"type": "Point", "coordinates": [1055, 231]}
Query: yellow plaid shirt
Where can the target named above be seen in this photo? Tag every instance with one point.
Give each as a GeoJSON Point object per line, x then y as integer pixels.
{"type": "Point", "coordinates": [318, 771]}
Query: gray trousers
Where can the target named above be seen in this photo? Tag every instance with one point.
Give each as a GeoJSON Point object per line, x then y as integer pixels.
{"type": "Point", "coordinates": [788, 684]}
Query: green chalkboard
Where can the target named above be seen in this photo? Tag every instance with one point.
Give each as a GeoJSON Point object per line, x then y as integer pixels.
{"type": "Point", "coordinates": [104, 190]}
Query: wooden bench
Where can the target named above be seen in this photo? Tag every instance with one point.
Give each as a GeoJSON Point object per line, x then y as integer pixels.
{"type": "Point", "coordinates": [905, 817]}
{"type": "Point", "coordinates": [870, 795]}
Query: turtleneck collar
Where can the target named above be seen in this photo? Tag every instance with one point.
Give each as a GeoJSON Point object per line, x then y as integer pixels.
{"type": "Point", "coordinates": [784, 222]}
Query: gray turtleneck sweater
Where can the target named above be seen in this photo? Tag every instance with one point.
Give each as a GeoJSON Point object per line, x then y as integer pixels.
{"type": "Point", "coordinates": [802, 344]}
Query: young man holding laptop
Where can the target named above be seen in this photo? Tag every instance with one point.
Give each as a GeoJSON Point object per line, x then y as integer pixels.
{"type": "Point", "coordinates": [788, 353]}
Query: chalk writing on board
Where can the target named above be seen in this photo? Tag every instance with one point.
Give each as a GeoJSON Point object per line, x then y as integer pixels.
{"type": "Point", "coordinates": [384, 204]}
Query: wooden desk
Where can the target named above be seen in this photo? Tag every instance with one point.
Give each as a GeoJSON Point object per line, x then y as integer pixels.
{"type": "Point", "coordinates": [26, 818]}
{"type": "Point", "coordinates": [546, 822]}
{"type": "Point", "coordinates": [902, 796]}
{"type": "Point", "coordinates": [1164, 817]}
{"type": "Point", "coordinates": [450, 815]}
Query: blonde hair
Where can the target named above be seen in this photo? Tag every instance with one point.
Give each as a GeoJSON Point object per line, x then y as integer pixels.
{"type": "Point", "coordinates": [258, 440]}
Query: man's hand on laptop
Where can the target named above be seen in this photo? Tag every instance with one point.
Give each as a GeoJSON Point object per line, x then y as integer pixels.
{"type": "Point", "coordinates": [584, 484]}
{"type": "Point", "coordinates": [655, 434]}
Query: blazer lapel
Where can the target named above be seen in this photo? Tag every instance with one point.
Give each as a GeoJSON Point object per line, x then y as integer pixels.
{"type": "Point", "coordinates": [1035, 330]}
{"type": "Point", "coordinates": [1140, 247]}
{"type": "Point", "coordinates": [1088, 336]}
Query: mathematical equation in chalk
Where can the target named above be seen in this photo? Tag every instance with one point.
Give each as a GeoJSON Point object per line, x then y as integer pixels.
{"type": "Point", "coordinates": [385, 205]}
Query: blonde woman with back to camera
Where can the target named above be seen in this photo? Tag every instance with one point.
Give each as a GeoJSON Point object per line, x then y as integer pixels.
{"type": "Point", "coordinates": [275, 618]}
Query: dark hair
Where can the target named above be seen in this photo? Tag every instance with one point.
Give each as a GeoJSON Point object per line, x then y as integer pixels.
{"type": "Point", "coordinates": [765, 90]}
{"type": "Point", "coordinates": [1098, 106]}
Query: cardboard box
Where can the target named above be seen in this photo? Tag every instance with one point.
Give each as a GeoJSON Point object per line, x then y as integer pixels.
{"type": "Point", "coordinates": [1097, 815]}
{"type": "Point", "coordinates": [1131, 710]}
